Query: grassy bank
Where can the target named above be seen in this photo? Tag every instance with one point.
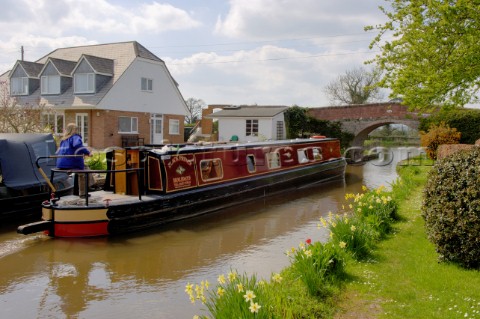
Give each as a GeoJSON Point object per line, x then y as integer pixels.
{"type": "Point", "coordinates": [405, 279]}
{"type": "Point", "coordinates": [376, 264]}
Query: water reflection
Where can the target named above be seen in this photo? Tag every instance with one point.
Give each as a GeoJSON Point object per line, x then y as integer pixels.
{"type": "Point", "coordinates": [144, 274]}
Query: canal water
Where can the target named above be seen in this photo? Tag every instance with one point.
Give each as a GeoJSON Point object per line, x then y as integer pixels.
{"type": "Point", "coordinates": [143, 275]}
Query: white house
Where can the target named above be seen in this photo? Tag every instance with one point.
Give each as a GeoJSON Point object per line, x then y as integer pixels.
{"type": "Point", "coordinates": [250, 123]}
{"type": "Point", "coordinates": [115, 92]}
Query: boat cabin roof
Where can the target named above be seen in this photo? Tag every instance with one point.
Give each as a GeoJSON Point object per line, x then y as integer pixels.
{"type": "Point", "coordinates": [193, 148]}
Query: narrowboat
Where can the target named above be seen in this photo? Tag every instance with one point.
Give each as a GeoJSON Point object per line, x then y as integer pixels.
{"type": "Point", "coordinates": [22, 186]}
{"type": "Point", "coordinates": [147, 187]}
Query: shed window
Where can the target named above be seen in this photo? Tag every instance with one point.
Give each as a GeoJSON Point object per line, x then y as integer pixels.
{"type": "Point", "coordinates": [251, 128]}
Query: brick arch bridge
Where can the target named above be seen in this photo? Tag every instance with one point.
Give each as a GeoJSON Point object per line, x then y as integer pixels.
{"type": "Point", "coordinates": [362, 119]}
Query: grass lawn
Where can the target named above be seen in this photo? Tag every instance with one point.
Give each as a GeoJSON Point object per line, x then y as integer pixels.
{"type": "Point", "coordinates": [405, 279]}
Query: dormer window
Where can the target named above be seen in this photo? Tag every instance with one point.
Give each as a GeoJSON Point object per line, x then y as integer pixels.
{"type": "Point", "coordinates": [84, 82]}
{"type": "Point", "coordinates": [19, 86]}
{"type": "Point", "coordinates": [50, 84]}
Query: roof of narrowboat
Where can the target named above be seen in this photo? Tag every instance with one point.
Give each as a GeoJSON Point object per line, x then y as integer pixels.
{"type": "Point", "coordinates": [202, 147]}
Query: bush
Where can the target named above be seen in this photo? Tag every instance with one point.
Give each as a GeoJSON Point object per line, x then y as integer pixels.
{"type": "Point", "coordinates": [437, 135]}
{"type": "Point", "coordinates": [451, 208]}
{"type": "Point", "coordinates": [466, 121]}
{"type": "Point", "coordinates": [97, 162]}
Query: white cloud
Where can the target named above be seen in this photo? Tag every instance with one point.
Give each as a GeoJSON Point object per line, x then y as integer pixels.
{"type": "Point", "coordinates": [263, 19]}
{"type": "Point", "coordinates": [264, 75]}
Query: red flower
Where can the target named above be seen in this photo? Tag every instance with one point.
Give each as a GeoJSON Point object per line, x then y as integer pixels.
{"type": "Point", "coordinates": [308, 241]}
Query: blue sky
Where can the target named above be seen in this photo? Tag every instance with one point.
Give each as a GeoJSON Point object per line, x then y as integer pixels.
{"type": "Point", "coordinates": [266, 52]}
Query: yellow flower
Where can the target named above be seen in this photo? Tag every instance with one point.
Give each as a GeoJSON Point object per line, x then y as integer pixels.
{"type": "Point", "coordinates": [364, 188]}
{"type": "Point", "coordinates": [353, 228]}
{"type": "Point", "coordinates": [370, 207]}
{"type": "Point", "coordinates": [232, 276]}
{"type": "Point", "coordinates": [249, 296]}
{"type": "Point", "coordinates": [221, 279]}
{"type": "Point", "coordinates": [350, 206]}
{"type": "Point", "coordinates": [196, 317]}
{"type": "Point", "coordinates": [220, 291]}
{"type": "Point", "coordinates": [254, 307]}
{"type": "Point", "coordinates": [346, 220]}
{"type": "Point", "coordinates": [342, 244]}
{"type": "Point", "coordinates": [308, 253]}
{"type": "Point", "coordinates": [189, 288]}
{"type": "Point", "coordinates": [207, 284]}
{"type": "Point", "coordinates": [240, 287]}
{"type": "Point", "coordinates": [323, 221]}
{"type": "Point", "coordinates": [277, 278]}
{"type": "Point", "coordinates": [262, 283]}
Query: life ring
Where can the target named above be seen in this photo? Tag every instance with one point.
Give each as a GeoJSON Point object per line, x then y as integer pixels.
{"type": "Point", "coordinates": [319, 136]}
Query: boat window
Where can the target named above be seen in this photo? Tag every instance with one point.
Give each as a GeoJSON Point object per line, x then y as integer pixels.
{"type": "Point", "coordinates": [251, 164]}
{"type": "Point", "coordinates": [302, 156]}
{"type": "Point", "coordinates": [154, 176]}
{"type": "Point", "coordinates": [317, 154]}
{"type": "Point", "coordinates": [273, 160]}
{"type": "Point", "coordinates": [211, 169]}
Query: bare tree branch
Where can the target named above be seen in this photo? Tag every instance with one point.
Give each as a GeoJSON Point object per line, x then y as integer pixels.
{"type": "Point", "coordinates": [357, 86]}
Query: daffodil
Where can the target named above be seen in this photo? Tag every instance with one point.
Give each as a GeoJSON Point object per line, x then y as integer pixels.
{"type": "Point", "coordinates": [240, 287]}
{"type": "Point", "coordinates": [249, 296]}
{"type": "Point", "coordinates": [189, 288]}
{"type": "Point", "coordinates": [220, 291]}
{"type": "Point", "coordinates": [308, 253]}
{"type": "Point", "coordinates": [342, 244]}
{"type": "Point", "coordinates": [221, 279]}
{"type": "Point", "coordinates": [277, 278]}
{"type": "Point", "coordinates": [353, 228]}
{"type": "Point", "coordinates": [232, 276]}
{"type": "Point", "coordinates": [254, 307]}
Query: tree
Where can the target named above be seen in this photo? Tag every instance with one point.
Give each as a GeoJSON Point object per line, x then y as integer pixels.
{"type": "Point", "coordinates": [357, 86]}
{"type": "Point", "coordinates": [194, 107]}
{"type": "Point", "coordinates": [16, 118]}
{"type": "Point", "coordinates": [433, 57]}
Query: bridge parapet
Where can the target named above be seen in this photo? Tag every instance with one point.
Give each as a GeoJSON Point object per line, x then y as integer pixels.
{"type": "Point", "coordinates": [360, 120]}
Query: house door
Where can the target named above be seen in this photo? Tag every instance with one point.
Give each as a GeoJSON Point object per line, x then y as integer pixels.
{"type": "Point", "coordinates": [82, 123]}
{"type": "Point", "coordinates": [156, 129]}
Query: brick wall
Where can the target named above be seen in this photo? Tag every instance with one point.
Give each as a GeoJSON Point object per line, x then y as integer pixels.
{"type": "Point", "coordinates": [174, 138]}
{"type": "Point", "coordinates": [103, 128]}
{"type": "Point", "coordinates": [364, 111]}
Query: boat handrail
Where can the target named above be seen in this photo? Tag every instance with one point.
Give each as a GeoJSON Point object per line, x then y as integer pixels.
{"type": "Point", "coordinates": [86, 172]}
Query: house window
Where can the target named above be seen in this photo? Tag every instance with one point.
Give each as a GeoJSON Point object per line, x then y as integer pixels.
{"type": "Point", "coordinates": [19, 86]}
{"type": "Point", "coordinates": [54, 121]}
{"type": "Point", "coordinates": [174, 127]}
{"type": "Point", "coordinates": [127, 124]}
{"type": "Point", "coordinates": [84, 83]}
{"type": "Point", "coordinates": [50, 84]}
{"type": "Point", "coordinates": [251, 128]}
{"type": "Point", "coordinates": [147, 84]}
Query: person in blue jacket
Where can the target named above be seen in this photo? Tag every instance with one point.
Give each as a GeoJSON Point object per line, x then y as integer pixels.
{"type": "Point", "coordinates": [72, 144]}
